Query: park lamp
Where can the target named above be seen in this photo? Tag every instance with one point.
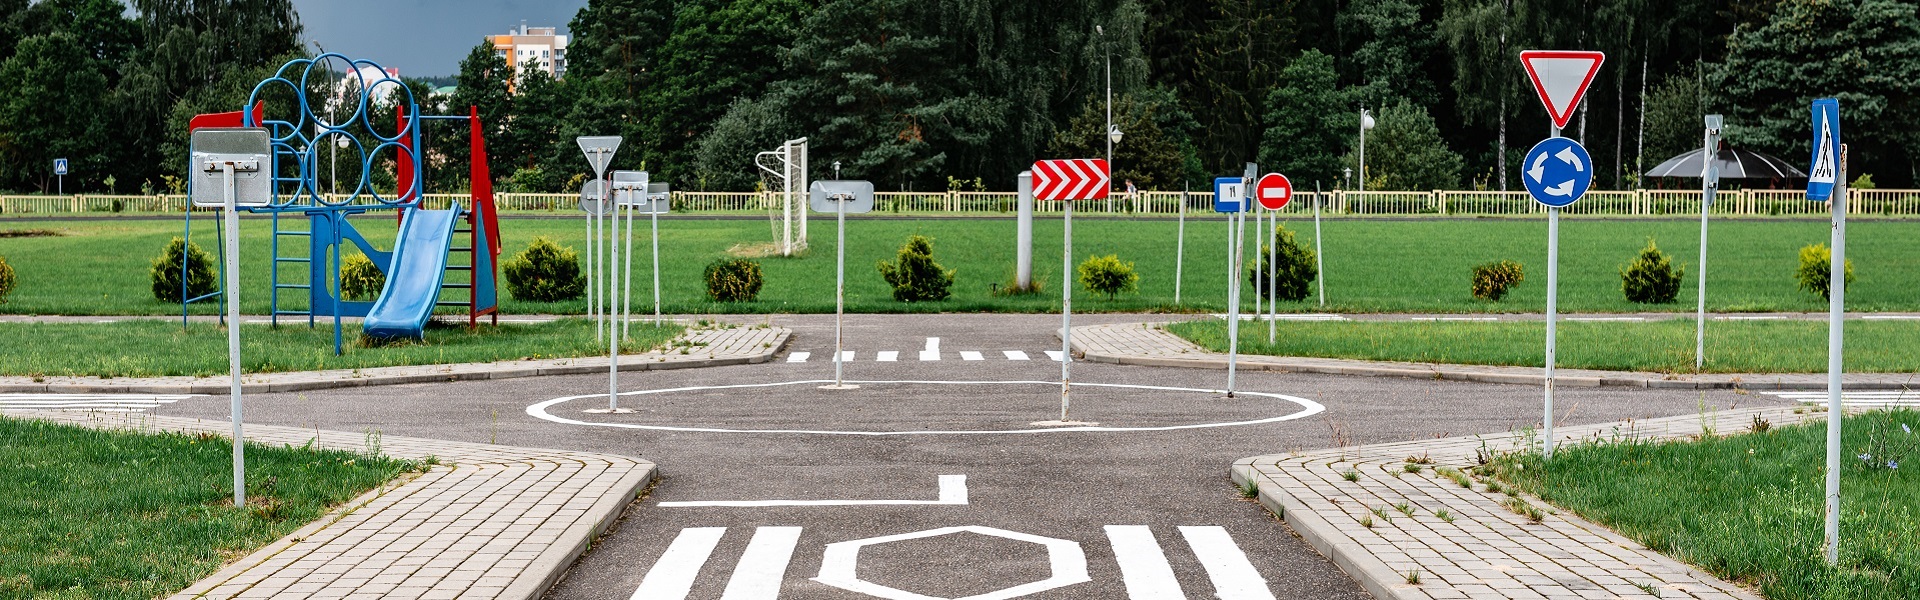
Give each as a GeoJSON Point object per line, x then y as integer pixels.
{"type": "Point", "coordinates": [1366, 119]}
{"type": "Point", "coordinates": [340, 141]}
{"type": "Point", "coordinates": [836, 170]}
{"type": "Point", "coordinates": [1114, 134]}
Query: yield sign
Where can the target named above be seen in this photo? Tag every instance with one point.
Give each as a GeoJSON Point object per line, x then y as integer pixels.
{"type": "Point", "coordinates": [1274, 191]}
{"type": "Point", "coordinates": [1080, 179]}
{"type": "Point", "coordinates": [1561, 78]}
{"type": "Point", "coordinates": [599, 151]}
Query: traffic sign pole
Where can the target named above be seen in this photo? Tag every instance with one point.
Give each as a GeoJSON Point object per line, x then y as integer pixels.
{"type": "Point", "coordinates": [1180, 245]}
{"type": "Point", "coordinates": [232, 219]}
{"type": "Point", "coordinates": [1836, 312]}
{"type": "Point", "coordinates": [1273, 295]}
{"type": "Point", "coordinates": [1069, 180]}
{"type": "Point", "coordinates": [1709, 184]}
{"type": "Point", "coordinates": [1066, 312]}
{"type": "Point", "coordinates": [613, 299]}
{"type": "Point", "coordinates": [1319, 270]}
{"type": "Point", "coordinates": [1553, 312]}
{"type": "Point", "coordinates": [1238, 258]}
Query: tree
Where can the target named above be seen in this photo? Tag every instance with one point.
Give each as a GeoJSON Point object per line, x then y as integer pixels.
{"type": "Point", "coordinates": [1308, 121]}
{"type": "Point", "coordinates": [540, 109]}
{"type": "Point", "coordinates": [1674, 118]}
{"type": "Point", "coordinates": [52, 110]}
{"type": "Point", "coordinates": [187, 49]}
{"type": "Point", "coordinates": [1869, 59]}
{"type": "Point", "coordinates": [723, 158]}
{"type": "Point", "coordinates": [485, 82]}
{"type": "Point", "coordinates": [616, 45]}
{"type": "Point", "coordinates": [719, 51]}
{"type": "Point", "coordinates": [1486, 76]}
{"type": "Point", "coordinates": [1405, 152]}
{"type": "Point", "coordinates": [1149, 156]}
{"type": "Point", "coordinates": [1394, 43]}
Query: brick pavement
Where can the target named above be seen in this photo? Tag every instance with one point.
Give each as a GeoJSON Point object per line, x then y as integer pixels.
{"type": "Point", "coordinates": [489, 522]}
{"type": "Point", "coordinates": [1487, 550]}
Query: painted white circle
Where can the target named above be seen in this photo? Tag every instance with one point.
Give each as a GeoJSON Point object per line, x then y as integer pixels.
{"type": "Point", "coordinates": [1308, 408]}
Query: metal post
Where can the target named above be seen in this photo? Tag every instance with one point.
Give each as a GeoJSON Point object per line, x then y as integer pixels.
{"type": "Point", "coordinates": [1273, 289]}
{"type": "Point", "coordinates": [613, 299]}
{"type": "Point", "coordinates": [232, 293]}
{"type": "Point", "coordinates": [1319, 269]}
{"type": "Point", "coordinates": [1836, 311]}
{"type": "Point", "coordinates": [1709, 184]}
{"type": "Point", "coordinates": [1180, 245]}
{"type": "Point", "coordinates": [592, 285]}
{"type": "Point", "coordinates": [839, 292]}
{"type": "Point", "coordinates": [1023, 234]}
{"type": "Point", "coordinates": [654, 216]}
{"type": "Point", "coordinates": [1066, 311]}
{"type": "Point", "coordinates": [1363, 160]}
{"type": "Point", "coordinates": [1553, 311]}
{"type": "Point", "coordinates": [1237, 258]}
{"type": "Point", "coordinates": [626, 293]}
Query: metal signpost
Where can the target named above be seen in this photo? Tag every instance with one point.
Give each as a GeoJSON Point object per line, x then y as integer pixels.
{"type": "Point", "coordinates": [599, 151]}
{"type": "Point", "coordinates": [1557, 171]}
{"type": "Point", "coordinates": [1709, 184]}
{"type": "Point", "coordinates": [1180, 245]}
{"type": "Point", "coordinates": [229, 171]}
{"type": "Point", "coordinates": [1274, 192]}
{"type": "Point", "coordinates": [1228, 195]}
{"type": "Point", "coordinates": [1069, 180]}
{"type": "Point", "coordinates": [840, 198]}
{"type": "Point", "coordinates": [660, 197]}
{"type": "Point", "coordinates": [60, 170]}
{"type": "Point", "coordinates": [1319, 271]}
{"type": "Point", "coordinates": [1234, 196]}
{"type": "Point", "coordinates": [1827, 181]}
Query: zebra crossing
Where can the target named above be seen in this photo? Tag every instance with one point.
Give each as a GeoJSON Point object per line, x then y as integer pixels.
{"type": "Point", "coordinates": [1145, 570]}
{"type": "Point", "coordinates": [90, 402]}
{"type": "Point", "coordinates": [1871, 398]}
{"type": "Point", "coordinates": [930, 353]}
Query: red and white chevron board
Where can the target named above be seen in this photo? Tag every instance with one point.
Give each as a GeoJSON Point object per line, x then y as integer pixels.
{"type": "Point", "coordinates": [1079, 179]}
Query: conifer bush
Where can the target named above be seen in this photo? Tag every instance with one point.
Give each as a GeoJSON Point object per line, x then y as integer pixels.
{"type": "Point", "coordinates": [1293, 268]}
{"type": "Point", "coordinates": [1492, 281]}
{"type": "Point", "coordinates": [1652, 277]}
{"type": "Point", "coordinates": [6, 279]}
{"type": "Point", "coordinates": [914, 276]}
{"type": "Point", "coordinates": [733, 280]}
{"type": "Point", "coordinates": [1816, 270]}
{"type": "Point", "coordinates": [360, 279]}
{"type": "Point", "coordinates": [166, 271]}
{"type": "Point", "coordinates": [545, 272]}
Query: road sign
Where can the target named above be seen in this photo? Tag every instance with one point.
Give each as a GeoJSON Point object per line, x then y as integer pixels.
{"type": "Point", "coordinates": [831, 196]}
{"type": "Point", "coordinates": [60, 166]}
{"type": "Point", "coordinates": [599, 150]}
{"type": "Point", "coordinates": [1557, 171]}
{"type": "Point", "coordinates": [1229, 194]}
{"type": "Point", "coordinates": [593, 197]}
{"type": "Point", "coordinates": [1826, 150]}
{"type": "Point", "coordinates": [248, 149]}
{"type": "Point", "coordinates": [1274, 191]}
{"type": "Point", "coordinates": [1080, 179]}
{"type": "Point", "coordinates": [1561, 78]}
{"type": "Point", "coordinates": [630, 190]}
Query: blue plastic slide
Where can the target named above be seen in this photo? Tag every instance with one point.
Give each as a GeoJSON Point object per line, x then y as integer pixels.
{"type": "Point", "coordinates": [413, 280]}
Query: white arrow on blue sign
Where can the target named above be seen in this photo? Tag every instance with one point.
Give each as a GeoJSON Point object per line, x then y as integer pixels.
{"type": "Point", "coordinates": [1557, 171]}
{"type": "Point", "coordinates": [1230, 194]}
{"type": "Point", "coordinates": [1826, 150]}
{"type": "Point", "coordinates": [60, 166]}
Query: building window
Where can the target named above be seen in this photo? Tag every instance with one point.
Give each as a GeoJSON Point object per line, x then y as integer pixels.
{"type": "Point", "coordinates": [545, 53]}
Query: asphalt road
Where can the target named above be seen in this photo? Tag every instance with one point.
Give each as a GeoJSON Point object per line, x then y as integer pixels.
{"type": "Point", "coordinates": [1147, 489]}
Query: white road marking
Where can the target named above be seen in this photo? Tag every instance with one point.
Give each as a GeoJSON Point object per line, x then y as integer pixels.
{"type": "Point", "coordinates": [764, 565]}
{"type": "Point", "coordinates": [1608, 319]}
{"type": "Point", "coordinates": [846, 356]}
{"type": "Point", "coordinates": [839, 564]}
{"type": "Point", "coordinates": [672, 577]}
{"type": "Point", "coordinates": [90, 402]}
{"type": "Point", "coordinates": [1015, 355]}
{"type": "Point", "coordinates": [1891, 317]}
{"type": "Point", "coordinates": [1233, 577]}
{"type": "Point", "coordinates": [1054, 354]}
{"type": "Point", "coordinates": [1308, 408]}
{"type": "Point", "coordinates": [887, 356]}
{"type": "Point", "coordinates": [953, 491]}
{"type": "Point", "coordinates": [1861, 397]}
{"type": "Point", "coordinates": [1453, 319]}
{"type": "Point", "coordinates": [971, 355]}
{"type": "Point", "coordinates": [798, 357]}
{"type": "Point", "coordinates": [1143, 566]}
{"type": "Point", "coordinates": [933, 349]}
{"type": "Point", "coordinates": [1290, 317]}
{"type": "Point", "coordinates": [1752, 318]}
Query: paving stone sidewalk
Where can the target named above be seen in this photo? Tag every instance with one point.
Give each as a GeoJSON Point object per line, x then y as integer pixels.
{"type": "Point", "coordinates": [489, 522]}
{"type": "Point", "coordinates": [1487, 551]}
{"type": "Point", "coordinates": [737, 345]}
{"type": "Point", "coordinates": [1149, 344]}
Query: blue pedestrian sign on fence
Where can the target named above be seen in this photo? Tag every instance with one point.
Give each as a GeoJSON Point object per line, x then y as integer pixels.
{"type": "Point", "coordinates": [60, 166]}
{"type": "Point", "coordinates": [1557, 171]}
{"type": "Point", "coordinates": [1230, 194]}
{"type": "Point", "coordinates": [1826, 150]}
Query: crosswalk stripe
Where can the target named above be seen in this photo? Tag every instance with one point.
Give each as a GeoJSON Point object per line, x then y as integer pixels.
{"type": "Point", "coordinates": [672, 577]}
{"type": "Point", "coordinates": [887, 356]}
{"type": "Point", "coordinates": [1055, 355]}
{"type": "Point", "coordinates": [1143, 566]}
{"type": "Point", "coordinates": [798, 357]}
{"type": "Point", "coordinates": [1233, 577]}
{"type": "Point", "coordinates": [764, 565]}
{"type": "Point", "coordinates": [1015, 355]}
{"type": "Point", "coordinates": [846, 356]}
{"type": "Point", "coordinates": [971, 355]}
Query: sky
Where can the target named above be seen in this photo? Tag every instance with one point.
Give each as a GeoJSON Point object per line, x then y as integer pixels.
{"type": "Point", "coordinates": [421, 38]}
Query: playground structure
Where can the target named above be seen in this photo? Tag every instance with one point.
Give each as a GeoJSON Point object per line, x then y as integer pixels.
{"type": "Point", "coordinates": [424, 250]}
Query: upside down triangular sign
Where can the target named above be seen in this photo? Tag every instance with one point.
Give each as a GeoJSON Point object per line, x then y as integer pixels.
{"type": "Point", "coordinates": [1561, 78]}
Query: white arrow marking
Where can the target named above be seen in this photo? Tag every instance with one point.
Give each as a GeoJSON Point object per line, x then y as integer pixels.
{"type": "Point", "coordinates": [953, 492]}
{"type": "Point", "coordinates": [1539, 170]}
{"type": "Point", "coordinates": [672, 578]}
{"type": "Point", "coordinates": [1564, 189]}
{"type": "Point", "coordinates": [1143, 566]}
{"type": "Point", "coordinates": [1233, 577]}
{"type": "Point", "coordinates": [1566, 154]}
{"type": "Point", "coordinates": [763, 565]}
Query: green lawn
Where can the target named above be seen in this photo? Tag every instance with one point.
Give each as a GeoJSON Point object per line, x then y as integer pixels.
{"type": "Point", "coordinates": [100, 267]}
{"type": "Point", "coordinates": [1661, 346]}
{"type": "Point", "coordinates": [155, 348]}
{"type": "Point", "coordinates": [86, 513]}
{"type": "Point", "coordinates": [1748, 508]}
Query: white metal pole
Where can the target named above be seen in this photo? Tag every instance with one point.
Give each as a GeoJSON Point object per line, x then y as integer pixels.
{"type": "Point", "coordinates": [233, 337]}
{"type": "Point", "coordinates": [1066, 311]}
{"type": "Point", "coordinates": [786, 199]}
{"type": "Point", "coordinates": [1319, 268]}
{"type": "Point", "coordinates": [596, 263]}
{"type": "Point", "coordinates": [654, 216]}
{"type": "Point", "coordinates": [1553, 312]}
{"type": "Point", "coordinates": [1233, 296]}
{"type": "Point", "coordinates": [1836, 311]}
{"type": "Point", "coordinates": [613, 302]}
{"type": "Point", "coordinates": [1709, 185]}
{"type": "Point", "coordinates": [1363, 160]}
{"type": "Point", "coordinates": [626, 293]}
{"type": "Point", "coordinates": [1273, 289]}
{"type": "Point", "coordinates": [591, 297]}
{"type": "Point", "coordinates": [839, 292]}
{"type": "Point", "coordinates": [1180, 245]}
{"type": "Point", "coordinates": [1259, 223]}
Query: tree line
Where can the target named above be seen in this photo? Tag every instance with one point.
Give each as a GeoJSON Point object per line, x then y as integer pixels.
{"type": "Point", "coordinates": [932, 95]}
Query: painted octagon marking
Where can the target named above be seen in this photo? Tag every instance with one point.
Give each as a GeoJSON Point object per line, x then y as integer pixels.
{"type": "Point", "coordinates": [1068, 561]}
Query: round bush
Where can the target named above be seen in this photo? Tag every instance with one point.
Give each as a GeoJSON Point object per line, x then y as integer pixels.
{"type": "Point", "coordinates": [1651, 278]}
{"type": "Point", "coordinates": [1816, 270]}
{"type": "Point", "coordinates": [545, 272]}
{"type": "Point", "coordinates": [1492, 280]}
{"type": "Point", "coordinates": [166, 272]}
{"type": "Point", "coordinates": [1107, 275]}
{"type": "Point", "coordinates": [6, 279]}
{"type": "Point", "coordinates": [914, 276]}
{"type": "Point", "coordinates": [1293, 264]}
{"type": "Point", "coordinates": [360, 279]}
{"type": "Point", "coordinates": [733, 280]}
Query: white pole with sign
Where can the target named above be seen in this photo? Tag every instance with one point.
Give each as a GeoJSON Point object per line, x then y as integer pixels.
{"type": "Point", "coordinates": [230, 171]}
{"type": "Point", "coordinates": [1239, 264]}
{"type": "Point", "coordinates": [1709, 184]}
{"type": "Point", "coordinates": [1180, 245]}
{"type": "Point", "coordinates": [1827, 181]}
{"type": "Point", "coordinates": [599, 151]}
{"type": "Point", "coordinates": [1069, 180]}
{"type": "Point", "coordinates": [840, 198]}
{"type": "Point", "coordinates": [1319, 269]}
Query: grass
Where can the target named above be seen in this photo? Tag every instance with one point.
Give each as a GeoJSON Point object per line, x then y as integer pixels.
{"type": "Point", "coordinates": [100, 266]}
{"type": "Point", "coordinates": [1657, 346]}
{"type": "Point", "coordinates": [87, 513]}
{"type": "Point", "coordinates": [130, 348]}
{"type": "Point", "coordinates": [1749, 507]}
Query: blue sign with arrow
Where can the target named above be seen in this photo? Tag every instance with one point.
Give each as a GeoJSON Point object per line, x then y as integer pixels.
{"type": "Point", "coordinates": [1557, 171]}
{"type": "Point", "coordinates": [1826, 150]}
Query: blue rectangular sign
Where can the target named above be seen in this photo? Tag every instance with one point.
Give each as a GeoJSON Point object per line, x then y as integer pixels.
{"type": "Point", "coordinates": [60, 166]}
{"type": "Point", "coordinates": [1229, 194]}
{"type": "Point", "coordinates": [1825, 173]}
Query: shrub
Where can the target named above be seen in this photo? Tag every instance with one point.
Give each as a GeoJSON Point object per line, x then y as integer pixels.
{"type": "Point", "coordinates": [545, 272]}
{"type": "Point", "coordinates": [733, 280]}
{"type": "Point", "coordinates": [1651, 278]}
{"type": "Point", "coordinates": [6, 279]}
{"type": "Point", "coordinates": [360, 279]}
{"type": "Point", "coordinates": [1293, 268]}
{"type": "Point", "coordinates": [1816, 270]}
{"type": "Point", "coordinates": [166, 272]}
{"type": "Point", "coordinates": [1491, 280]}
{"type": "Point", "coordinates": [914, 276]}
{"type": "Point", "coordinates": [1107, 275]}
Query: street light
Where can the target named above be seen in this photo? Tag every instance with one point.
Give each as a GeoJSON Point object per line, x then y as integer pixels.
{"type": "Point", "coordinates": [836, 170]}
{"type": "Point", "coordinates": [1366, 122]}
{"type": "Point", "coordinates": [1113, 133]}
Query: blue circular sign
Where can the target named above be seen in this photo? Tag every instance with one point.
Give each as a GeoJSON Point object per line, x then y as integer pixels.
{"type": "Point", "coordinates": [1557, 171]}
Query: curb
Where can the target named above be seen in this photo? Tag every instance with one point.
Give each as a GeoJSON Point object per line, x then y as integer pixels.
{"type": "Point", "coordinates": [1366, 569]}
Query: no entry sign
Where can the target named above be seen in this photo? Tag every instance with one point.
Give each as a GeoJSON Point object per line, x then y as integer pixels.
{"type": "Point", "coordinates": [1274, 191]}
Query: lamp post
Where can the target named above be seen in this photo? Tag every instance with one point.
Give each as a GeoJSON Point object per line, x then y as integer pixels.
{"type": "Point", "coordinates": [1366, 122]}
